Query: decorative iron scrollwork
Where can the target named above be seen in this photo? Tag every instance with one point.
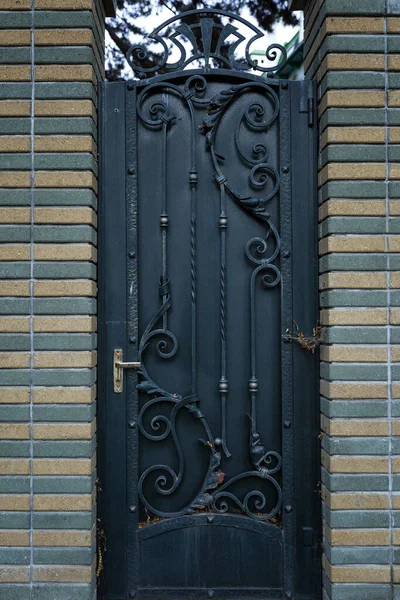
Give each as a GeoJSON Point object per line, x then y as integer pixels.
{"type": "Point", "coordinates": [215, 493]}
{"type": "Point", "coordinates": [206, 35]}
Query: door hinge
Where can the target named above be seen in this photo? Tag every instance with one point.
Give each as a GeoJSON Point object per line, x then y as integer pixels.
{"type": "Point", "coordinates": [310, 540]}
{"type": "Point", "coordinates": [310, 111]}
{"type": "Point", "coordinates": [118, 370]}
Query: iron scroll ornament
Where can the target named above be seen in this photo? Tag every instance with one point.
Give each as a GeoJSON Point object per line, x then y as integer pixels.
{"type": "Point", "coordinates": [215, 493]}
{"type": "Point", "coordinates": [207, 38]}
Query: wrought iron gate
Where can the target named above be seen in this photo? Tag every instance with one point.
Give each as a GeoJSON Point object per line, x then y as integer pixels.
{"type": "Point", "coordinates": [208, 441]}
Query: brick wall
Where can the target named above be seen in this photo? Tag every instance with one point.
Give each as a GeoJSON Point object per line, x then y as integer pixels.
{"type": "Point", "coordinates": [353, 51]}
{"type": "Point", "coordinates": [51, 59]}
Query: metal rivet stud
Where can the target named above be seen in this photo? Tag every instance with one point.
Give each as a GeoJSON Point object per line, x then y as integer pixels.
{"type": "Point", "coordinates": [131, 86]}
{"type": "Point", "coordinates": [210, 593]}
{"type": "Point", "coordinates": [286, 254]}
{"type": "Point", "coordinates": [132, 425]}
{"type": "Point", "coordinates": [288, 508]}
{"type": "Point", "coordinates": [131, 171]}
{"type": "Point", "coordinates": [285, 86]}
{"type": "Point", "coordinates": [210, 518]}
{"type": "Point", "coordinates": [285, 169]}
{"type": "Point", "coordinates": [132, 509]}
{"type": "Point", "coordinates": [132, 254]}
{"type": "Point", "coordinates": [287, 424]}
{"type": "Point", "coordinates": [132, 339]}
{"type": "Point", "coordinates": [116, 110]}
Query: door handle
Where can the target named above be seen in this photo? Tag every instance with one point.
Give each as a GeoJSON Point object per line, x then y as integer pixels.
{"type": "Point", "coordinates": [118, 369]}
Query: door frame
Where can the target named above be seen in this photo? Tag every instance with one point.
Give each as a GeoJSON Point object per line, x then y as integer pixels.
{"type": "Point", "coordinates": [115, 256]}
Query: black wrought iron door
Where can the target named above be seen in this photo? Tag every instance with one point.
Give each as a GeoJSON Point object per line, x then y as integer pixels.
{"type": "Point", "coordinates": [209, 252]}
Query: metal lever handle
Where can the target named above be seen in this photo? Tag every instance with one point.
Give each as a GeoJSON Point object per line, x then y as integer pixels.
{"type": "Point", "coordinates": [118, 369]}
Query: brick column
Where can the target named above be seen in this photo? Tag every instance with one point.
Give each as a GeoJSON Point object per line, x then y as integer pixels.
{"type": "Point", "coordinates": [352, 50]}
{"type": "Point", "coordinates": [51, 59]}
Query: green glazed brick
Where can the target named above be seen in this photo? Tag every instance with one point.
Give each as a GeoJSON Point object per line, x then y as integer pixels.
{"type": "Point", "coordinates": [356, 335]}
{"type": "Point", "coordinates": [64, 55]}
{"type": "Point", "coordinates": [359, 555]}
{"type": "Point", "coordinates": [351, 80]}
{"type": "Point", "coordinates": [65, 306]}
{"type": "Point", "coordinates": [64, 520]}
{"type": "Point", "coordinates": [357, 518]}
{"type": "Point", "coordinates": [394, 116]}
{"type": "Point", "coordinates": [356, 446]}
{"type": "Point", "coordinates": [353, 153]}
{"type": "Point", "coordinates": [69, 270]}
{"type": "Point", "coordinates": [393, 7]}
{"type": "Point", "coordinates": [14, 556]}
{"type": "Point", "coordinates": [14, 520]}
{"type": "Point", "coordinates": [354, 298]}
{"type": "Point", "coordinates": [63, 485]}
{"type": "Point", "coordinates": [15, 449]}
{"type": "Point", "coordinates": [14, 412]}
{"type": "Point", "coordinates": [361, 591]}
{"type": "Point", "coordinates": [396, 555]}
{"type": "Point", "coordinates": [353, 7]}
{"type": "Point", "coordinates": [15, 377]}
{"type": "Point", "coordinates": [394, 80]}
{"type": "Point", "coordinates": [14, 161]}
{"type": "Point", "coordinates": [15, 91]}
{"type": "Point", "coordinates": [65, 197]}
{"type": "Point", "coordinates": [68, 91]}
{"type": "Point", "coordinates": [54, 377]}
{"type": "Point", "coordinates": [396, 482]}
{"type": "Point", "coordinates": [15, 197]}
{"type": "Point", "coordinates": [395, 335]}
{"type": "Point", "coordinates": [14, 233]}
{"type": "Point", "coordinates": [396, 441]}
{"type": "Point", "coordinates": [15, 341]}
{"type": "Point", "coordinates": [15, 591]}
{"type": "Point", "coordinates": [14, 306]}
{"type": "Point", "coordinates": [353, 262]}
{"type": "Point", "coordinates": [394, 189]}
{"type": "Point", "coordinates": [62, 125]}
{"type": "Point", "coordinates": [15, 19]}
{"type": "Point", "coordinates": [349, 409]}
{"type": "Point", "coordinates": [69, 412]}
{"type": "Point", "coordinates": [352, 116]}
{"type": "Point", "coordinates": [394, 262]}
{"type": "Point", "coordinates": [63, 556]}
{"type": "Point", "coordinates": [64, 341]}
{"type": "Point", "coordinates": [48, 19]}
{"type": "Point", "coordinates": [394, 298]}
{"type": "Point", "coordinates": [15, 55]}
{"type": "Point", "coordinates": [394, 225]}
{"type": "Point", "coordinates": [83, 161]}
{"type": "Point", "coordinates": [14, 485]}
{"type": "Point", "coordinates": [65, 233]}
{"type": "Point", "coordinates": [353, 189]}
{"type": "Point", "coordinates": [60, 449]}
{"type": "Point", "coordinates": [17, 126]}
{"type": "Point", "coordinates": [396, 372]}
{"type": "Point", "coordinates": [394, 153]}
{"type": "Point", "coordinates": [360, 225]}
{"type": "Point", "coordinates": [58, 591]}
{"type": "Point", "coordinates": [353, 372]}
{"type": "Point", "coordinates": [14, 270]}
{"type": "Point", "coordinates": [354, 483]}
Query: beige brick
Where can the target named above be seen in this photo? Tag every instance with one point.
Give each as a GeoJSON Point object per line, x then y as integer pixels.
{"type": "Point", "coordinates": [353, 135]}
{"type": "Point", "coordinates": [66, 216]}
{"type": "Point", "coordinates": [15, 108]}
{"type": "Point", "coordinates": [10, 537]}
{"type": "Point", "coordinates": [15, 4]}
{"type": "Point", "coordinates": [394, 171]}
{"type": "Point", "coordinates": [63, 5]}
{"type": "Point", "coordinates": [351, 464]}
{"type": "Point", "coordinates": [15, 179]}
{"type": "Point", "coordinates": [64, 143]}
{"type": "Point", "coordinates": [352, 171]}
{"type": "Point", "coordinates": [14, 143]}
{"type": "Point", "coordinates": [395, 207]}
{"type": "Point", "coordinates": [360, 353]}
{"type": "Point", "coordinates": [393, 25]}
{"type": "Point", "coordinates": [14, 466]}
{"type": "Point", "coordinates": [14, 252]}
{"type": "Point", "coordinates": [396, 537]}
{"type": "Point", "coordinates": [366, 208]}
{"type": "Point", "coordinates": [63, 574]}
{"type": "Point", "coordinates": [14, 360]}
{"type": "Point", "coordinates": [11, 574]}
{"type": "Point", "coordinates": [354, 427]}
{"type": "Point", "coordinates": [394, 99]}
{"type": "Point", "coordinates": [351, 62]}
{"type": "Point", "coordinates": [355, 243]}
{"type": "Point", "coordinates": [358, 501]}
{"type": "Point", "coordinates": [14, 325]}
{"type": "Point", "coordinates": [65, 360]}
{"type": "Point", "coordinates": [14, 431]}
{"type": "Point", "coordinates": [353, 574]}
{"type": "Point", "coordinates": [394, 135]}
{"type": "Point", "coordinates": [396, 501]}
{"type": "Point", "coordinates": [62, 538]}
{"type": "Point", "coordinates": [14, 287]}
{"type": "Point", "coordinates": [356, 391]}
{"type": "Point", "coordinates": [396, 465]}
{"type": "Point", "coordinates": [344, 24]}
{"type": "Point", "coordinates": [395, 352]}
{"type": "Point", "coordinates": [395, 390]}
{"type": "Point", "coordinates": [355, 316]}
{"type": "Point", "coordinates": [358, 537]}
{"type": "Point", "coordinates": [67, 395]}
{"type": "Point", "coordinates": [395, 316]}
{"type": "Point", "coordinates": [64, 431]}
{"type": "Point", "coordinates": [353, 280]}
{"type": "Point", "coordinates": [15, 502]}
{"type": "Point", "coordinates": [395, 427]}
{"type": "Point", "coordinates": [64, 73]}
{"type": "Point", "coordinates": [351, 98]}
{"type": "Point", "coordinates": [58, 466]}
{"type": "Point", "coordinates": [62, 502]}
{"type": "Point", "coordinates": [14, 215]}
{"type": "Point", "coordinates": [65, 179]}
{"type": "Point", "coordinates": [64, 37]}
{"type": "Point", "coordinates": [65, 287]}
{"type": "Point", "coordinates": [65, 108]}
{"type": "Point", "coordinates": [70, 324]}
{"type": "Point", "coordinates": [14, 395]}
{"type": "Point", "coordinates": [65, 252]}
{"type": "Point", "coordinates": [394, 62]}
{"type": "Point", "coordinates": [15, 73]}
{"type": "Point", "coordinates": [15, 37]}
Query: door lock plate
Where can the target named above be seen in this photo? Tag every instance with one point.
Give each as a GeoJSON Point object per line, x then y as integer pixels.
{"type": "Point", "coordinates": [118, 369]}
